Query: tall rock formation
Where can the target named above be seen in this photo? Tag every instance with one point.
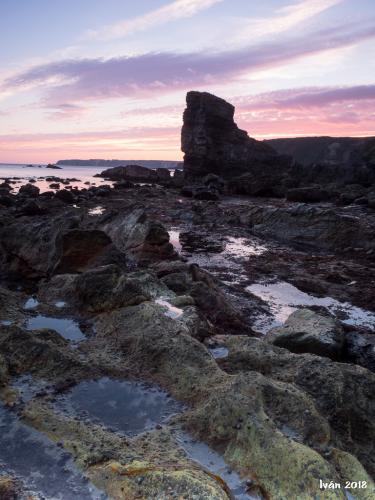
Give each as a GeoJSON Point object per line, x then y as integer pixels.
{"type": "Point", "coordinates": [213, 144]}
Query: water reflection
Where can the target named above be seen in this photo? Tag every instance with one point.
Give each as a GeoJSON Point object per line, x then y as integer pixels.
{"type": "Point", "coordinates": [284, 298]}
{"type": "Point", "coordinates": [128, 407]}
{"type": "Point", "coordinates": [41, 465]}
{"type": "Point", "coordinates": [68, 328]}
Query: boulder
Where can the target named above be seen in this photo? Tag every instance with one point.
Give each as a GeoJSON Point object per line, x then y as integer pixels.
{"type": "Point", "coordinates": [201, 192]}
{"type": "Point", "coordinates": [187, 191]}
{"type": "Point", "coordinates": [178, 178]}
{"type": "Point", "coordinates": [76, 249]}
{"type": "Point", "coordinates": [124, 185]}
{"type": "Point", "coordinates": [65, 196]}
{"type": "Point", "coordinates": [360, 348]}
{"type": "Point", "coordinates": [312, 194]}
{"type": "Point", "coordinates": [137, 235]}
{"type": "Point", "coordinates": [163, 175]}
{"type": "Point", "coordinates": [29, 246]}
{"type": "Point", "coordinates": [351, 193]}
{"type": "Point", "coordinates": [6, 201]}
{"type": "Point", "coordinates": [29, 190]}
{"type": "Point", "coordinates": [135, 173]}
{"type": "Point", "coordinates": [213, 304]}
{"type": "Point", "coordinates": [213, 144]}
{"type": "Point", "coordinates": [307, 331]}
{"type": "Point", "coordinates": [32, 207]}
{"type": "Point", "coordinates": [103, 289]}
{"type": "Point", "coordinates": [214, 182]}
{"type": "Point", "coordinates": [5, 187]}
{"type": "Point", "coordinates": [371, 199]}
{"type": "Point", "coordinates": [206, 193]}
{"type": "Point", "coordinates": [43, 352]}
{"type": "Point", "coordinates": [4, 375]}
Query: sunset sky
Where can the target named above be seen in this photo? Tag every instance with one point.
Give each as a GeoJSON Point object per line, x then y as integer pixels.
{"type": "Point", "coordinates": [108, 78]}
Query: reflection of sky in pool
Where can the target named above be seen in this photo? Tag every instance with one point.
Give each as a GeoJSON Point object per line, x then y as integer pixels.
{"type": "Point", "coordinates": [215, 463]}
{"type": "Point", "coordinates": [219, 352]}
{"type": "Point", "coordinates": [40, 464]}
{"type": "Point", "coordinates": [31, 303]}
{"type": "Point", "coordinates": [68, 328]}
{"type": "Point", "coordinates": [129, 407]}
{"type": "Point", "coordinates": [96, 210]}
{"type": "Point", "coordinates": [284, 298]}
{"type": "Point", "coordinates": [174, 239]}
{"type": "Point", "coordinates": [228, 264]}
{"type": "Point", "coordinates": [170, 310]}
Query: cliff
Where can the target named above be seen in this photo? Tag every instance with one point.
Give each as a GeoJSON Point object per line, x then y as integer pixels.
{"type": "Point", "coordinates": [327, 150]}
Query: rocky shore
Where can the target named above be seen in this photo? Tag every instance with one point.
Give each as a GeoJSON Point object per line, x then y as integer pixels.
{"type": "Point", "coordinates": [207, 335]}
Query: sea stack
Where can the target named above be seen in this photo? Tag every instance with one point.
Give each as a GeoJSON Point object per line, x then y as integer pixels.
{"type": "Point", "coordinates": [213, 144]}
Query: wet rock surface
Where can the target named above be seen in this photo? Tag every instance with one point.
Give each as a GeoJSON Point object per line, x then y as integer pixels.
{"type": "Point", "coordinates": [145, 343]}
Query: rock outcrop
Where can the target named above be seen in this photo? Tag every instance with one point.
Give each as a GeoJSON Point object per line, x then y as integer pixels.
{"type": "Point", "coordinates": [310, 226]}
{"type": "Point", "coordinates": [29, 190]}
{"type": "Point", "coordinates": [213, 144]}
{"type": "Point", "coordinates": [307, 331]}
{"type": "Point", "coordinates": [137, 173]}
{"type": "Point", "coordinates": [138, 235]}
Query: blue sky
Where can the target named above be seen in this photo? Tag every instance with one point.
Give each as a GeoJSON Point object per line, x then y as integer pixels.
{"type": "Point", "coordinates": [92, 78]}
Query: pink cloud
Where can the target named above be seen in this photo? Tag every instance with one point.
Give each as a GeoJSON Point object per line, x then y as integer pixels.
{"type": "Point", "coordinates": [160, 73]}
{"type": "Point", "coordinates": [307, 97]}
{"type": "Point", "coordinates": [335, 111]}
{"type": "Point", "coordinates": [309, 111]}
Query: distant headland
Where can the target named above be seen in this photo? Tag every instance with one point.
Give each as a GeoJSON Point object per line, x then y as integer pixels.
{"type": "Point", "coordinates": [117, 163]}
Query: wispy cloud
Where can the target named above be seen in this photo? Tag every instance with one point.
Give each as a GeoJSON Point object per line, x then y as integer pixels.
{"type": "Point", "coordinates": [309, 111]}
{"type": "Point", "coordinates": [310, 97]}
{"type": "Point", "coordinates": [160, 73]}
{"type": "Point", "coordinates": [286, 18]}
{"type": "Point", "coordinates": [66, 111]}
{"type": "Point", "coordinates": [178, 9]}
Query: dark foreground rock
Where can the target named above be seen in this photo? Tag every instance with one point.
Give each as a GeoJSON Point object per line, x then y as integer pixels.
{"type": "Point", "coordinates": [62, 242]}
{"type": "Point", "coordinates": [311, 226]}
{"type": "Point", "coordinates": [138, 235]}
{"type": "Point", "coordinates": [29, 190]}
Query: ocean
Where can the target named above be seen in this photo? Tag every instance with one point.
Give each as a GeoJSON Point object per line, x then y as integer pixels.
{"type": "Point", "coordinates": [21, 174]}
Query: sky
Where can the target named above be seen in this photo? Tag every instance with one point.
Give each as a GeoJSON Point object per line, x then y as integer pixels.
{"type": "Point", "coordinates": [108, 79]}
